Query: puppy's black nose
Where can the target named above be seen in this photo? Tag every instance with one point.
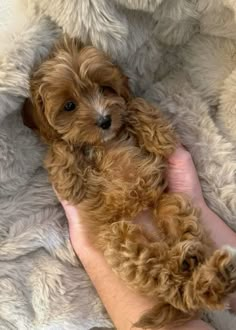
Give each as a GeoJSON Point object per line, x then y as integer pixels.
{"type": "Point", "coordinates": [104, 122]}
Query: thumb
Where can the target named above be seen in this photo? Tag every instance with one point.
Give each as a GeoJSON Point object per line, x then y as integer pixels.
{"type": "Point", "coordinates": [70, 211]}
{"type": "Point", "coordinates": [78, 233]}
{"type": "Point", "coordinates": [72, 215]}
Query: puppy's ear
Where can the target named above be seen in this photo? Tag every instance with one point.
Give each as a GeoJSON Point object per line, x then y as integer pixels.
{"type": "Point", "coordinates": [125, 89]}
{"type": "Point", "coordinates": [28, 115]}
{"type": "Point", "coordinates": [34, 117]}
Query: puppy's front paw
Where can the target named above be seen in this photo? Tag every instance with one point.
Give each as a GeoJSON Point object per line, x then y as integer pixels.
{"type": "Point", "coordinates": [193, 255]}
{"type": "Point", "coordinates": [229, 272]}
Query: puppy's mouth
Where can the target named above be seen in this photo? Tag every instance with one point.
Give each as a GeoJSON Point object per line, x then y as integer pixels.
{"type": "Point", "coordinates": [108, 133]}
{"type": "Point", "coordinates": [108, 136]}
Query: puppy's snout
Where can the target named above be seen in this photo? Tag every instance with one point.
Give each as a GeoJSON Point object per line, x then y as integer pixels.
{"type": "Point", "coordinates": [104, 122]}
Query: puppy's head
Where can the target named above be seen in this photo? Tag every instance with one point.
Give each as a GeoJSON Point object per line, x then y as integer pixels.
{"type": "Point", "coordinates": [78, 95]}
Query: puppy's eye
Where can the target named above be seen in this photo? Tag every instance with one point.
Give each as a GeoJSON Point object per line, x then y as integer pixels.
{"type": "Point", "coordinates": [69, 106]}
{"type": "Point", "coordinates": [185, 266]}
{"type": "Point", "coordinates": [107, 90]}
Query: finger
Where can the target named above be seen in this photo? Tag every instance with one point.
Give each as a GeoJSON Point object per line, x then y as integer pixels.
{"type": "Point", "coordinates": [180, 157]}
{"type": "Point", "coordinates": [56, 193]}
{"type": "Point", "coordinates": [71, 213]}
{"type": "Point", "coordinates": [70, 210]}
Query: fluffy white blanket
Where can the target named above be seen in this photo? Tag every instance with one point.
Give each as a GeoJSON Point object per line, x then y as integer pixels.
{"type": "Point", "coordinates": [179, 54]}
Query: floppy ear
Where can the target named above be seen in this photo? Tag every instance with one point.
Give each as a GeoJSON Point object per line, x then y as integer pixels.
{"type": "Point", "coordinates": [125, 89]}
{"type": "Point", "coordinates": [34, 118]}
{"type": "Point", "coordinates": [28, 115]}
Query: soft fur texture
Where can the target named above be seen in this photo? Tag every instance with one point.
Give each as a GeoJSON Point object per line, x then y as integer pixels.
{"type": "Point", "coordinates": [214, 77]}
{"type": "Point", "coordinates": [108, 154]}
{"type": "Point", "coordinates": [27, 32]}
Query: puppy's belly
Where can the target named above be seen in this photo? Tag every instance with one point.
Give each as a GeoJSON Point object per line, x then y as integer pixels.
{"type": "Point", "coordinates": [130, 180]}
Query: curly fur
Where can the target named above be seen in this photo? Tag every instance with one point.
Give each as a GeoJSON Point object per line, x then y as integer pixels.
{"type": "Point", "coordinates": [115, 173]}
{"type": "Point", "coordinates": [31, 296]}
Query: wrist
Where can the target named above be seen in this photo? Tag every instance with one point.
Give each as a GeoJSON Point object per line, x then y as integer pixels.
{"type": "Point", "coordinates": [87, 253]}
{"type": "Point", "coordinates": [219, 231]}
{"type": "Point", "coordinates": [202, 205]}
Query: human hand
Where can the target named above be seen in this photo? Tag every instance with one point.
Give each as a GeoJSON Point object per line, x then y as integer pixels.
{"type": "Point", "coordinates": [183, 178]}
{"type": "Point", "coordinates": [124, 306]}
{"type": "Point", "coordinates": [79, 235]}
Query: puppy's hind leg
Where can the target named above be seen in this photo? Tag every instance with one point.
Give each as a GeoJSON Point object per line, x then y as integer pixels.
{"type": "Point", "coordinates": [178, 220]}
{"type": "Point", "coordinates": [212, 282]}
{"type": "Point", "coordinates": [140, 264]}
{"type": "Point", "coordinates": [136, 260]}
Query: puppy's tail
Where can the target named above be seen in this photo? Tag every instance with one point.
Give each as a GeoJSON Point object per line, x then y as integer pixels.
{"type": "Point", "coordinates": [162, 314]}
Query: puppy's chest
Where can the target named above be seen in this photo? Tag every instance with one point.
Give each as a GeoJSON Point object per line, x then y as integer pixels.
{"type": "Point", "coordinates": [122, 162]}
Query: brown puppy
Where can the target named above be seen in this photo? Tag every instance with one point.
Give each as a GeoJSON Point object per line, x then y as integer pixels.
{"type": "Point", "coordinates": [108, 153]}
